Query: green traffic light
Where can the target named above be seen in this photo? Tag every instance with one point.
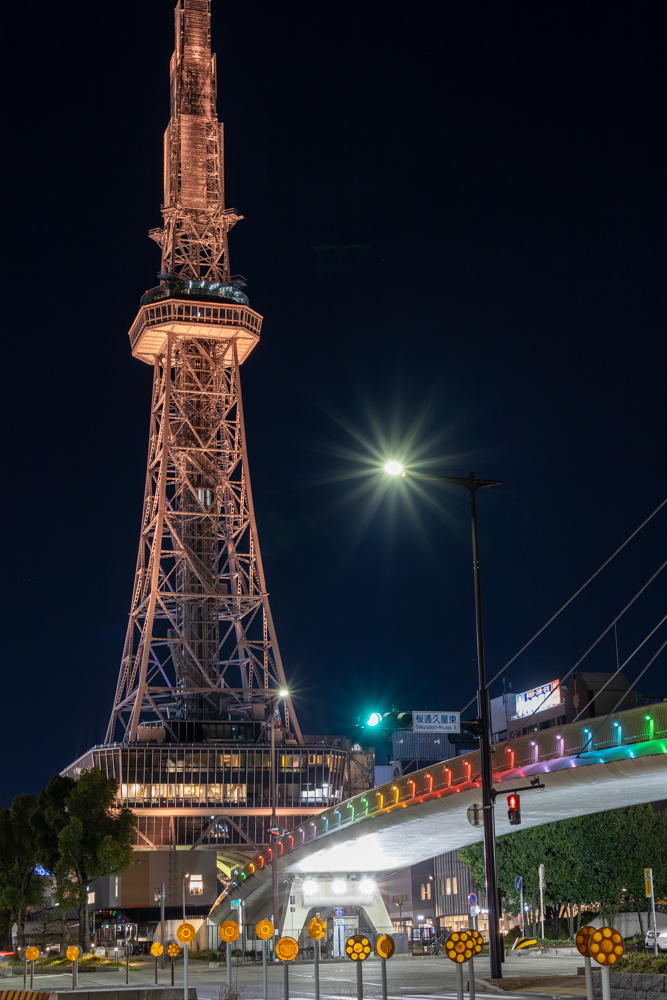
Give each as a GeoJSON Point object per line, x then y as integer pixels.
{"type": "Point", "coordinates": [374, 719]}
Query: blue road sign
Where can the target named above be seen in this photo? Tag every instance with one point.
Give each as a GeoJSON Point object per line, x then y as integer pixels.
{"type": "Point", "coordinates": [472, 899]}
{"type": "Point", "coordinates": [518, 882]}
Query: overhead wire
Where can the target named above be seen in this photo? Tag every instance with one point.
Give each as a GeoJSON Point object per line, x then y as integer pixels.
{"type": "Point", "coordinates": [599, 639]}
{"type": "Point", "coordinates": [589, 741]}
{"type": "Point", "coordinates": [570, 599]}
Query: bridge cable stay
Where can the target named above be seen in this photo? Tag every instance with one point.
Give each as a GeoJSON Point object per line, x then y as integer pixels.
{"type": "Point", "coordinates": [578, 663]}
{"type": "Point", "coordinates": [596, 641]}
{"type": "Point", "coordinates": [624, 664]}
{"type": "Point", "coordinates": [603, 634]}
{"type": "Point", "coordinates": [589, 742]}
{"type": "Point", "coordinates": [570, 599]}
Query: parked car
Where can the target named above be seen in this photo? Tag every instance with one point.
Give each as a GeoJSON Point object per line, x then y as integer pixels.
{"type": "Point", "coordinates": [662, 940]}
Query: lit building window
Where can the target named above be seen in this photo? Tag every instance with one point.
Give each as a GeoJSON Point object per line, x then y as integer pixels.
{"type": "Point", "coordinates": [426, 891]}
{"type": "Point", "coordinates": [115, 888]}
{"type": "Point", "coordinates": [455, 888]}
{"type": "Point", "coordinates": [449, 887]}
{"type": "Point", "coordinates": [196, 885]}
{"type": "Point", "coordinates": [91, 897]}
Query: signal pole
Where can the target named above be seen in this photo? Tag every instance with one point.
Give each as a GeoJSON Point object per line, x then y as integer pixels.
{"type": "Point", "coordinates": [483, 723]}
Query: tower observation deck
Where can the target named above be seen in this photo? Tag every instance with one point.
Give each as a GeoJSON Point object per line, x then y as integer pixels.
{"type": "Point", "coordinates": [196, 702]}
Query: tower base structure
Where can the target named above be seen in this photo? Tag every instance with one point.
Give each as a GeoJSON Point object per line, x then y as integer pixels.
{"type": "Point", "coordinates": [217, 793]}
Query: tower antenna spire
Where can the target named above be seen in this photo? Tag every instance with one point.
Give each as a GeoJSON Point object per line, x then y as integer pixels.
{"type": "Point", "coordinates": [193, 239]}
{"type": "Point", "coordinates": [200, 646]}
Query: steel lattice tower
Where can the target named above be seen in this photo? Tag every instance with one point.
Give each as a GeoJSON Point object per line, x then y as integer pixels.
{"type": "Point", "coordinates": [200, 643]}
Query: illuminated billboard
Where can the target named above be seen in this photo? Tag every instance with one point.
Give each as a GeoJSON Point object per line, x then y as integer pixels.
{"type": "Point", "coordinates": [539, 699]}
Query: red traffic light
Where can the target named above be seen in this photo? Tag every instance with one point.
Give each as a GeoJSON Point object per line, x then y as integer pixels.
{"type": "Point", "coordinates": [514, 809]}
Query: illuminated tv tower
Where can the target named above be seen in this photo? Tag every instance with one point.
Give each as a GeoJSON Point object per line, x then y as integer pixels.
{"type": "Point", "coordinates": [201, 645]}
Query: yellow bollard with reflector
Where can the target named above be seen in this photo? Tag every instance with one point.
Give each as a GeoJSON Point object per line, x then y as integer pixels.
{"type": "Point", "coordinates": [317, 929]}
{"type": "Point", "coordinates": [73, 957]}
{"type": "Point", "coordinates": [461, 947]}
{"type": "Point", "coordinates": [229, 930]}
{"type": "Point", "coordinates": [265, 930]}
{"type": "Point", "coordinates": [156, 951]}
{"type": "Point", "coordinates": [385, 946]}
{"type": "Point", "coordinates": [173, 951]}
{"type": "Point", "coordinates": [286, 951]}
{"type": "Point", "coordinates": [358, 948]}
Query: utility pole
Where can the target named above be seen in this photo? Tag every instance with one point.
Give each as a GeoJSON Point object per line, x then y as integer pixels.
{"type": "Point", "coordinates": [542, 888]}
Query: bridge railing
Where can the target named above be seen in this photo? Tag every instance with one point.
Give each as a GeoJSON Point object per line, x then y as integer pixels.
{"type": "Point", "coordinates": [623, 731]}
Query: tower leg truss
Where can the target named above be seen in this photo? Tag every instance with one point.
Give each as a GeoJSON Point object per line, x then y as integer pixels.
{"type": "Point", "coordinates": [200, 641]}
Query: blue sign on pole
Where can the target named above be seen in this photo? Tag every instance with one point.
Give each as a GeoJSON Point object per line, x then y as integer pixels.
{"type": "Point", "coordinates": [518, 882]}
{"type": "Point", "coordinates": [472, 899]}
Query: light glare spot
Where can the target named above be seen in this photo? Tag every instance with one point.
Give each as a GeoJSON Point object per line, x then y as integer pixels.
{"type": "Point", "coordinates": [394, 468]}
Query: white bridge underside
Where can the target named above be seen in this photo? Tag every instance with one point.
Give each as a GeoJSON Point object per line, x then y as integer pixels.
{"type": "Point", "coordinates": [394, 840]}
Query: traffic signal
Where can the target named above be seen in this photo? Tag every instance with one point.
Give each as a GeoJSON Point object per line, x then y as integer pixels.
{"type": "Point", "coordinates": [389, 720]}
{"type": "Point", "coordinates": [514, 809]}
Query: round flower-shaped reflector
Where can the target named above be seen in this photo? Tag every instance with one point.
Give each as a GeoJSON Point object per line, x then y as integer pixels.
{"type": "Point", "coordinates": [461, 946]}
{"type": "Point", "coordinates": [358, 948]}
{"type": "Point", "coordinates": [606, 946]}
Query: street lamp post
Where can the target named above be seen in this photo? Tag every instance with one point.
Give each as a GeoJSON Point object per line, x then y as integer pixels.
{"type": "Point", "coordinates": [483, 726]}
{"type": "Point", "coordinates": [273, 702]}
{"type": "Point", "coordinates": [184, 875]}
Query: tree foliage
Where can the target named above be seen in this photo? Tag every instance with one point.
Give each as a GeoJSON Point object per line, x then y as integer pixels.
{"type": "Point", "coordinates": [596, 861]}
{"type": "Point", "coordinates": [20, 886]}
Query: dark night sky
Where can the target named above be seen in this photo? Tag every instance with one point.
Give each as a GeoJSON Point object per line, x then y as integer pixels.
{"type": "Point", "coordinates": [504, 163]}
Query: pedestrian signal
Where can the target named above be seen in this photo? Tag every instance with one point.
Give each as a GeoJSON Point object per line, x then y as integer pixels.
{"type": "Point", "coordinates": [514, 809]}
{"type": "Point", "coordinates": [606, 946]}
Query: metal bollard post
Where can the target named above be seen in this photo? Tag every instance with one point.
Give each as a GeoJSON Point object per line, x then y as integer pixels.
{"type": "Point", "coordinates": [471, 979]}
{"type": "Point", "coordinates": [229, 963]}
{"type": "Point", "coordinates": [265, 972]}
{"type": "Point", "coordinates": [605, 975]}
{"type": "Point", "coordinates": [172, 970]}
{"type": "Point", "coordinates": [459, 981]}
{"type": "Point", "coordinates": [32, 972]}
{"type": "Point", "coordinates": [185, 972]}
{"type": "Point", "coordinates": [25, 972]}
{"type": "Point", "coordinates": [316, 957]}
{"type": "Point", "coordinates": [286, 979]}
{"type": "Point", "coordinates": [360, 980]}
{"type": "Point", "coordinates": [75, 974]}
{"type": "Point", "coordinates": [156, 970]}
{"type": "Point", "coordinates": [589, 978]}
{"type": "Point", "coordinates": [383, 966]}
{"type": "Point", "coordinates": [127, 966]}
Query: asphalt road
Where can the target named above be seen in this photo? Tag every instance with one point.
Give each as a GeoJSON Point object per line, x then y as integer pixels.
{"type": "Point", "coordinates": [418, 978]}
